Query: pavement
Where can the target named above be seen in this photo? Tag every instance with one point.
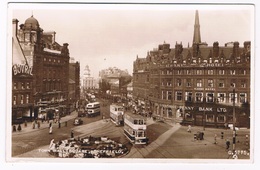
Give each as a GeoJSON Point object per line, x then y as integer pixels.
{"type": "Point", "coordinates": [43, 125]}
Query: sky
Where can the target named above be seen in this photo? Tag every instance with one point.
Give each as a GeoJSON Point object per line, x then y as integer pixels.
{"type": "Point", "coordinates": [103, 36]}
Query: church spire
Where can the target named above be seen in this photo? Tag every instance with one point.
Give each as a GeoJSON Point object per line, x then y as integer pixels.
{"type": "Point", "coordinates": [196, 35]}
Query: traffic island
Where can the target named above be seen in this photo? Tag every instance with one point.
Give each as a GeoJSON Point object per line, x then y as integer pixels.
{"type": "Point", "coordinates": [88, 147]}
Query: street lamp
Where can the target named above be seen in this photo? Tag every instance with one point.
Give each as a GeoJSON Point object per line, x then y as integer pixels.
{"type": "Point", "coordinates": [204, 97]}
{"type": "Point", "coordinates": [234, 121]}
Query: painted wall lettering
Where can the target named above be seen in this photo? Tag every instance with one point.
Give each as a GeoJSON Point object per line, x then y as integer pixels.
{"type": "Point", "coordinates": [22, 69]}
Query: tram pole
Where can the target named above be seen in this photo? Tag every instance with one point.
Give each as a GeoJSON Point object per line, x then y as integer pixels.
{"type": "Point", "coordinates": [234, 122]}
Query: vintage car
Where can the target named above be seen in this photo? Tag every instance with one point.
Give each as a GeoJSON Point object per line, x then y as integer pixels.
{"type": "Point", "coordinates": [78, 121]}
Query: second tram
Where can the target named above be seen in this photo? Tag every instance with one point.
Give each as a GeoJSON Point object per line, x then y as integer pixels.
{"type": "Point", "coordinates": [135, 128]}
{"type": "Point", "coordinates": [117, 114]}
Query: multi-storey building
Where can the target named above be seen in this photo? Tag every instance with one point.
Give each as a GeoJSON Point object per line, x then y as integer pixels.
{"type": "Point", "coordinates": [22, 94]}
{"type": "Point", "coordinates": [198, 85]}
{"type": "Point", "coordinates": [74, 84]}
{"type": "Point", "coordinates": [49, 62]}
{"type": "Point", "coordinates": [89, 82]}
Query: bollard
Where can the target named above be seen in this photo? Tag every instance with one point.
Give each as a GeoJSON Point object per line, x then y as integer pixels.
{"type": "Point", "coordinates": [59, 124]}
{"type": "Point", "coordinates": [222, 135]}
{"type": "Point", "coordinates": [25, 123]}
{"type": "Point", "coordinates": [195, 137]}
{"type": "Point", "coordinates": [39, 124]}
{"type": "Point", "coordinates": [33, 125]}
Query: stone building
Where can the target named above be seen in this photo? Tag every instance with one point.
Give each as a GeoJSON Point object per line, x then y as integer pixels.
{"type": "Point", "coordinates": [199, 85]}
{"type": "Point", "coordinates": [50, 66]}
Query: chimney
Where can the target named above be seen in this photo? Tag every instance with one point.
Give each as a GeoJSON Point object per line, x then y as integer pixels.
{"type": "Point", "coordinates": [216, 49]}
{"type": "Point", "coordinates": [15, 25]}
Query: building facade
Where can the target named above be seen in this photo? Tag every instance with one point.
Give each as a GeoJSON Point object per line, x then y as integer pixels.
{"type": "Point", "coordinates": [74, 84]}
{"type": "Point", "coordinates": [89, 83]}
{"type": "Point", "coordinates": [50, 66]}
{"type": "Point", "coordinates": [199, 85]}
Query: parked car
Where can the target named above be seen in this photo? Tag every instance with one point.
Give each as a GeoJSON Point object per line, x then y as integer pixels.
{"type": "Point", "coordinates": [78, 121]}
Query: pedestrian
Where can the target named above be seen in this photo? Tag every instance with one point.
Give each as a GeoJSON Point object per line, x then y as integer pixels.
{"type": "Point", "coordinates": [215, 138]}
{"type": "Point", "coordinates": [19, 128]}
{"type": "Point", "coordinates": [227, 144]}
{"type": "Point", "coordinates": [50, 130]}
{"type": "Point", "coordinates": [71, 134]}
{"type": "Point", "coordinates": [189, 129]}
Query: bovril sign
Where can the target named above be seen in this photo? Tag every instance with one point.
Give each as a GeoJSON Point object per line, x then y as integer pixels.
{"type": "Point", "coordinates": [22, 69]}
{"type": "Point", "coordinates": [206, 109]}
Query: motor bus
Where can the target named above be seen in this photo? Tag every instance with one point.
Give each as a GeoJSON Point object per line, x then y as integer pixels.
{"type": "Point", "coordinates": [93, 109]}
{"type": "Point", "coordinates": [135, 128]}
{"type": "Point", "coordinates": [116, 114]}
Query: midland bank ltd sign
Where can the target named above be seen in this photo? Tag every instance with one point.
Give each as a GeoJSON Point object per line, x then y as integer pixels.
{"type": "Point", "coordinates": [22, 69]}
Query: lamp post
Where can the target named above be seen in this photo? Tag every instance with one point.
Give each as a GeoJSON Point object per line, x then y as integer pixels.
{"type": "Point", "coordinates": [234, 122]}
{"type": "Point", "coordinates": [204, 98]}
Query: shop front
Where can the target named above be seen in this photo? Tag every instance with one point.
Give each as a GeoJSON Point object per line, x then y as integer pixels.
{"type": "Point", "coordinates": [219, 116]}
{"type": "Point", "coordinates": [22, 113]}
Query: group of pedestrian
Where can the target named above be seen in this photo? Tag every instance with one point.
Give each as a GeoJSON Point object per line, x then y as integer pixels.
{"type": "Point", "coordinates": [215, 137]}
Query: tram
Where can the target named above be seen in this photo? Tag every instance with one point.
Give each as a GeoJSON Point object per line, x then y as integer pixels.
{"type": "Point", "coordinates": [135, 128]}
{"type": "Point", "coordinates": [116, 114]}
{"type": "Point", "coordinates": [93, 109]}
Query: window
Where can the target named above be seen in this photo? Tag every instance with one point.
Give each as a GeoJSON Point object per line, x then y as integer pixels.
{"type": "Point", "coordinates": [178, 96]}
{"type": "Point", "coordinates": [163, 95]}
{"type": "Point", "coordinates": [243, 83]}
{"type": "Point", "coordinates": [178, 82]}
{"type": "Point", "coordinates": [210, 83]}
{"type": "Point", "coordinates": [199, 72]}
{"type": "Point", "coordinates": [169, 95]}
{"type": "Point", "coordinates": [179, 72]}
{"type": "Point", "coordinates": [188, 83]}
{"type": "Point", "coordinates": [242, 98]}
{"type": "Point", "coordinates": [27, 98]}
{"type": "Point", "coordinates": [15, 86]}
{"type": "Point", "coordinates": [188, 96]}
{"type": "Point", "coordinates": [210, 97]}
{"type": "Point", "coordinates": [22, 85]}
{"type": "Point", "coordinates": [47, 86]}
{"type": "Point", "coordinates": [232, 97]}
{"type": "Point", "coordinates": [221, 119]}
{"type": "Point", "coordinates": [199, 97]}
{"type": "Point", "coordinates": [210, 72]}
{"type": "Point", "coordinates": [221, 83]}
{"type": "Point", "coordinates": [221, 97]}
{"type": "Point", "coordinates": [209, 118]}
{"type": "Point", "coordinates": [27, 85]}
{"type": "Point", "coordinates": [242, 72]}
{"type": "Point", "coordinates": [199, 83]}
{"type": "Point", "coordinates": [221, 72]}
{"type": "Point", "coordinates": [22, 99]}
{"type": "Point", "coordinates": [147, 78]}
{"type": "Point", "coordinates": [232, 72]}
{"type": "Point", "coordinates": [233, 83]}
{"type": "Point", "coordinates": [188, 72]}
{"type": "Point", "coordinates": [14, 100]}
